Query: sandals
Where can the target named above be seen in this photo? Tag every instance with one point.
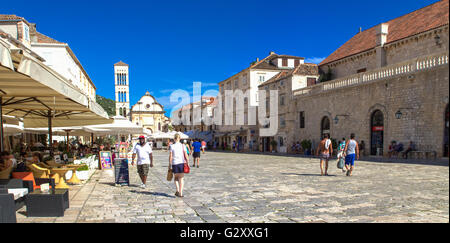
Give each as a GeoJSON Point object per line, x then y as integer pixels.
{"type": "Point", "coordinates": [178, 195]}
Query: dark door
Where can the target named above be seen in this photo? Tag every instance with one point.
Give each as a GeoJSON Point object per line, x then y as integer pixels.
{"type": "Point", "coordinates": [325, 127]}
{"type": "Point", "coordinates": [446, 130]}
{"type": "Point", "coordinates": [377, 133]}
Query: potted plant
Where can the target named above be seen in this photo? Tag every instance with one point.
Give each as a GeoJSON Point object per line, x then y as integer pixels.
{"type": "Point", "coordinates": [274, 144]}
{"type": "Point", "coordinates": [306, 145]}
{"type": "Point", "coordinates": [83, 172]}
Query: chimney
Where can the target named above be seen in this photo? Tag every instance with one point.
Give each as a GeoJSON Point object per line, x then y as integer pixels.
{"type": "Point", "coordinates": [272, 53]}
{"type": "Point", "coordinates": [382, 33]}
{"type": "Point", "coordinates": [360, 29]}
{"type": "Point", "coordinates": [381, 39]}
{"type": "Point", "coordinates": [257, 59]}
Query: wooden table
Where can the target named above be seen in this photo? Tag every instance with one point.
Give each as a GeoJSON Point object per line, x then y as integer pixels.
{"type": "Point", "coordinates": [74, 179]}
{"type": "Point", "coordinates": [62, 181]}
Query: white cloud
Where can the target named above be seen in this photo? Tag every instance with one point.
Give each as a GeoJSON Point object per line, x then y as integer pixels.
{"type": "Point", "coordinates": [315, 60]}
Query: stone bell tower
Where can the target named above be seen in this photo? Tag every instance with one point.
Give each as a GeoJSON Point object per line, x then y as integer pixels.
{"type": "Point", "coordinates": [122, 84]}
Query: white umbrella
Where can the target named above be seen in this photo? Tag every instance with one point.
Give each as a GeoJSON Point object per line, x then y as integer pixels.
{"type": "Point", "coordinates": [9, 129]}
{"type": "Point", "coordinates": [121, 125]}
{"type": "Point", "coordinates": [39, 95]}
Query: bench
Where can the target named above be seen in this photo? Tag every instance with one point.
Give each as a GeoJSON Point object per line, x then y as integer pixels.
{"type": "Point", "coordinates": [423, 154]}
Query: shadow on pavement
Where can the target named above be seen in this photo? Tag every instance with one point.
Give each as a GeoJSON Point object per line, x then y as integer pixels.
{"type": "Point", "coordinates": [438, 162]}
{"type": "Point", "coordinates": [114, 184]}
{"type": "Point", "coordinates": [159, 194]}
{"type": "Point", "coordinates": [318, 175]}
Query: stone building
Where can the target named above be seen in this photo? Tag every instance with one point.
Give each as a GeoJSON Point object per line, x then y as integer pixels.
{"type": "Point", "coordinates": [247, 81]}
{"type": "Point", "coordinates": [56, 55]}
{"type": "Point", "coordinates": [187, 121]}
{"type": "Point", "coordinates": [387, 83]}
{"type": "Point", "coordinates": [148, 113]}
{"type": "Point", "coordinates": [304, 75]}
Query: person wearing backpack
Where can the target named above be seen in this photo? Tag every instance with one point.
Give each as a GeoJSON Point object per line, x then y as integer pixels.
{"type": "Point", "coordinates": [351, 153]}
{"type": "Point", "coordinates": [340, 156]}
{"type": "Point", "coordinates": [325, 149]}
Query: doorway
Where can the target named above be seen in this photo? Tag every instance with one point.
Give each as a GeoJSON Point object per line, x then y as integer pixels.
{"type": "Point", "coordinates": [325, 127]}
{"type": "Point", "coordinates": [377, 133]}
{"type": "Point", "coordinates": [446, 130]}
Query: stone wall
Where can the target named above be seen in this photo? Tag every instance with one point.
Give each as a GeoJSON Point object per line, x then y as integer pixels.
{"type": "Point", "coordinates": [421, 98]}
{"type": "Point", "coordinates": [399, 51]}
{"type": "Point", "coordinates": [420, 45]}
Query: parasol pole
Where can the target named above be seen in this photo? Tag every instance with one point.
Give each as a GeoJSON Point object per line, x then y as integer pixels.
{"type": "Point", "coordinates": [1, 123]}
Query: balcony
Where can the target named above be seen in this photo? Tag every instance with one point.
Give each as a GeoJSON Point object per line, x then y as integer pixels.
{"type": "Point", "coordinates": [391, 71]}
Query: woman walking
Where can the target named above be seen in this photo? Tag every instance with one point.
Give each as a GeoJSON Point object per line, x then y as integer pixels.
{"type": "Point", "coordinates": [177, 159]}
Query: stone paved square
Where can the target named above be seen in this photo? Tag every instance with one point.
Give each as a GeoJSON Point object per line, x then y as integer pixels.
{"type": "Point", "coordinates": [257, 188]}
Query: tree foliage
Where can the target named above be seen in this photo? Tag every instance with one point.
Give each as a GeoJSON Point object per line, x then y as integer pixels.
{"type": "Point", "coordinates": [108, 105]}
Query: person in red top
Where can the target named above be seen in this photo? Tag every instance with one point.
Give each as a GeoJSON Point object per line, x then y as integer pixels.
{"type": "Point", "coordinates": [203, 146]}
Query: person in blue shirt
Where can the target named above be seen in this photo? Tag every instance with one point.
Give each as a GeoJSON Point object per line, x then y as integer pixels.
{"type": "Point", "coordinates": [197, 149]}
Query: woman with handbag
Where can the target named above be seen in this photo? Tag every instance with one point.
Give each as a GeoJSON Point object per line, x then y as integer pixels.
{"type": "Point", "coordinates": [178, 160]}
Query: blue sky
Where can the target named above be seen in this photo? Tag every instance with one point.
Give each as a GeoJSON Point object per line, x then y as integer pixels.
{"type": "Point", "coordinates": [170, 44]}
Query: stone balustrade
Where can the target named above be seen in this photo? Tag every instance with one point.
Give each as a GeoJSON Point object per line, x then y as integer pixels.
{"type": "Point", "coordinates": [408, 67]}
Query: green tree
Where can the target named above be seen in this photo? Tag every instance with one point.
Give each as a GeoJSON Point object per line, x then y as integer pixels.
{"type": "Point", "coordinates": [108, 105]}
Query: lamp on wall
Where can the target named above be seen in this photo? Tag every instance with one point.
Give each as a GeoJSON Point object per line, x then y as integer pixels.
{"type": "Point", "coordinates": [399, 113]}
{"type": "Point", "coordinates": [336, 119]}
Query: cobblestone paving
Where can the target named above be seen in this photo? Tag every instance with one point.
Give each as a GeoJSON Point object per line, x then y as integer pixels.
{"type": "Point", "coordinates": [240, 188]}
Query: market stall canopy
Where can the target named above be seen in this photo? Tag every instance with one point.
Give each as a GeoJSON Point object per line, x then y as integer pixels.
{"type": "Point", "coordinates": [35, 92]}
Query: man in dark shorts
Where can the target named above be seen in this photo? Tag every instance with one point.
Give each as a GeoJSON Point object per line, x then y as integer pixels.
{"type": "Point", "coordinates": [197, 150]}
{"type": "Point", "coordinates": [144, 159]}
{"type": "Point", "coordinates": [324, 150]}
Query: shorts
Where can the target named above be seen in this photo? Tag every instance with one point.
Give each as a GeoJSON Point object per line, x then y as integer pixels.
{"type": "Point", "coordinates": [350, 159]}
{"type": "Point", "coordinates": [196, 155]}
{"type": "Point", "coordinates": [178, 169]}
{"type": "Point", "coordinates": [325, 156]}
{"type": "Point", "coordinates": [143, 169]}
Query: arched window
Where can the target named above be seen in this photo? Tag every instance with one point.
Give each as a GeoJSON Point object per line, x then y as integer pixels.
{"type": "Point", "coordinates": [159, 126]}
{"type": "Point", "coordinates": [120, 111]}
{"type": "Point", "coordinates": [124, 112]}
{"type": "Point", "coordinates": [325, 126]}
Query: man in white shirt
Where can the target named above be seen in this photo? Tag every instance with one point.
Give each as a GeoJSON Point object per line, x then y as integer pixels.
{"type": "Point", "coordinates": [145, 159]}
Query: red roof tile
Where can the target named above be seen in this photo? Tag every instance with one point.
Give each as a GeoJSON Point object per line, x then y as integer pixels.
{"type": "Point", "coordinates": [427, 18]}
{"type": "Point", "coordinates": [41, 38]}
{"type": "Point", "coordinates": [121, 64]}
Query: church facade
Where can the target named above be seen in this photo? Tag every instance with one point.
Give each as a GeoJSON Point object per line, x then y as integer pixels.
{"type": "Point", "coordinates": [147, 112]}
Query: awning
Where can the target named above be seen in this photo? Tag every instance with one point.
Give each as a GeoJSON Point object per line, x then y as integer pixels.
{"type": "Point", "coordinates": [10, 129]}
{"type": "Point", "coordinates": [35, 92]}
{"type": "Point", "coordinates": [40, 96]}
